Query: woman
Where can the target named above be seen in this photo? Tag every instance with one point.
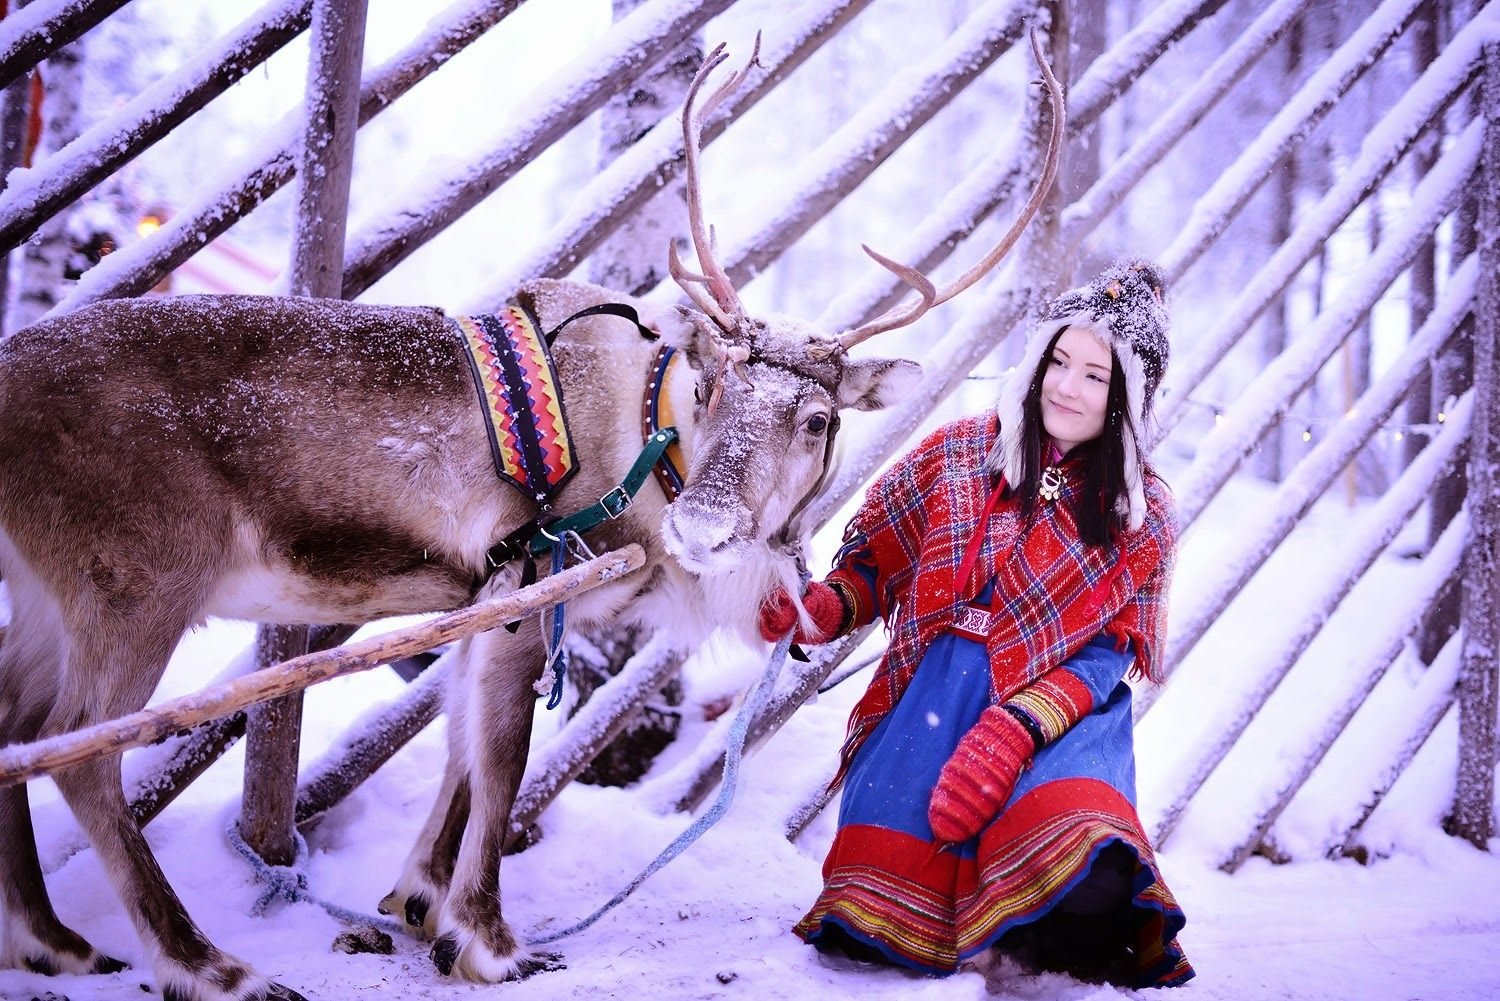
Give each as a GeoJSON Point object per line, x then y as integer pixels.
{"type": "Point", "coordinates": [1020, 561]}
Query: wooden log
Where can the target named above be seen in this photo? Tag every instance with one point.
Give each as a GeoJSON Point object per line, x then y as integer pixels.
{"type": "Point", "coordinates": [46, 29]}
{"type": "Point", "coordinates": [806, 681]}
{"type": "Point", "coordinates": [274, 729]}
{"type": "Point", "coordinates": [146, 120]}
{"type": "Point", "coordinates": [1479, 675]}
{"type": "Point", "coordinates": [155, 723]}
{"type": "Point", "coordinates": [183, 759]}
{"type": "Point", "coordinates": [600, 720]}
{"type": "Point", "coordinates": [371, 744]}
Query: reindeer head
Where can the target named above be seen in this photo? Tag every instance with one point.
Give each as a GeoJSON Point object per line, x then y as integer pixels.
{"type": "Point", "coordinates": [769, 390]}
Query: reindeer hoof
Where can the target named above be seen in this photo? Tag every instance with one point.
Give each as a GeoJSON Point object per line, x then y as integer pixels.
{"type": "Point", "coordinates": [540, 962]}
{"type": "Point", "coordinates": [445, 953]}
{"type": "Point", "coordinates": [281, 992]}
{"type": "Point", "coordinates": [109, 964]}
{"type": "Point", "coordinates": [416, 910]}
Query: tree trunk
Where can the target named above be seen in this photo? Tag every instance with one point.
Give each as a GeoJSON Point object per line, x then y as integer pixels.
{"type": "Point", "coordinates": [1268, 460]}
{"type": "Point", "coordinates": [1479, 673]}
{"type": "Point", "coordinates": [1424, 43]}
{"type": "Point", "coordinates": [12, 137]}
{"type": "Point", "coordinates": [44, 259]}
{"type": "Point", "coordinates": [633, 260]}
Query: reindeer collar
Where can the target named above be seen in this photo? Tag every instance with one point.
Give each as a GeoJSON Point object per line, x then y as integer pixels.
{"type": "Point", "coordinates": [656, 413]}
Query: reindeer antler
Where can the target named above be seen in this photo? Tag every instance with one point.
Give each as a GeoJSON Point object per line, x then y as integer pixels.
{"type": "Point", "coordinates": [711, 290]}
{"type": "Point", "coordinates": [928, 297]}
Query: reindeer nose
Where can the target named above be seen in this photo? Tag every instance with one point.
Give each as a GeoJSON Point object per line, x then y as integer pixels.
{"type": "Point", "coordinates": [706, 539]}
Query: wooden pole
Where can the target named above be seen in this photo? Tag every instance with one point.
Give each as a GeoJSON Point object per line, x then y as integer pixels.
{"type": "Point", "coordinates": [153, 724]}
{"type": "Point", "coordinates": [1479, 673]}
{"type": "Point", "coordinates": [273, 730]}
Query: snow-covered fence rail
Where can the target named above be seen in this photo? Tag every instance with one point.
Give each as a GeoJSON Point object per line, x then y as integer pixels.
{"type": "Point", "coordinates": [44, 26]}
{"type": "Point", "coordinates": [1316, 98]}
{"type": "Point", "coordinates": [579, 88]}
{"type": "Point", "coordinates": [1387, 143]}
{"type": "Point", "coordinates": [135, 269]}
{"type": "Point", "coordinates": [655, 159]}
{"type": "Point", "coordinates": [1438, 567]}
{"type": "Point", "coordinates": [156, 723]}
{"type": "Point", "coordinates": [1378, 527]}
{"type": "Point", "coordinates": [1255, 413]}
{"type": "Point", "coordinates": [145, 120]}
{"type": "Point", "coordinates": [1297, 493]}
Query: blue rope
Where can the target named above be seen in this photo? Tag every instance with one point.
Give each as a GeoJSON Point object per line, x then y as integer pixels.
{"type": "Point", "coordinates": [755, 701]}
{"type": "Point", "coordinates": [556, 655]}
{"type": "Point", "coordinates": [289, 883]}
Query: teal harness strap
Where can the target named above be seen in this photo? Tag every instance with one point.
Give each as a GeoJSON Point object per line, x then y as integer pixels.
{"type": "Point", "coordinates": [612, 504]}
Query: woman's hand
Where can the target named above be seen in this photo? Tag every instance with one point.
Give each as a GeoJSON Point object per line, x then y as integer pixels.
{"type": "Point", "coordinates": [778, 614]}
{"type": "Point", "coordinates": [979, 777]}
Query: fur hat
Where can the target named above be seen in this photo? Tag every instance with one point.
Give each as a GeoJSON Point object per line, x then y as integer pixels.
{"type": "Point", "coordinates": [1125, 307]}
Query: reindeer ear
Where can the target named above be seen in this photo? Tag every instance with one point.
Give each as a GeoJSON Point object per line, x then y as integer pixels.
{"type": "Point", "coordinates": [685, 329]}
{"type": "Point", "coordinates": [876, 383]}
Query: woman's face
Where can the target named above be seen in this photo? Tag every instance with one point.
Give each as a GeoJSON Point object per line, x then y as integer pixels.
{"type": "Point", "coordinates": [1075, 388]}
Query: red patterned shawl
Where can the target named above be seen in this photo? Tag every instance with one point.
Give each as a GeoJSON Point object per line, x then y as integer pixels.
{"type": "Point", "coordinates": [1052, 593]}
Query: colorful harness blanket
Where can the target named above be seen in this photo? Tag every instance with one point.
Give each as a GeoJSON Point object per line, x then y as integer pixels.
{"type": "Point", "coordinates": [523, 402]}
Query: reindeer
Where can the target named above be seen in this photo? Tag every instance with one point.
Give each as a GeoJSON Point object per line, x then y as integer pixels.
{"type": "Point", "coordinates": [297, 460]}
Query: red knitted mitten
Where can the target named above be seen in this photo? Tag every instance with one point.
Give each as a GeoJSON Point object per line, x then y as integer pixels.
{"type": "Point", "coordinates": [824, 606]}
{"type": "Point", "coordinates": [980, 776]}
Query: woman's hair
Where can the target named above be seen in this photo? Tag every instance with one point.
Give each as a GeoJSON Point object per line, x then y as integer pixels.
{"type": "Point", "coordinates": [1103, 458]}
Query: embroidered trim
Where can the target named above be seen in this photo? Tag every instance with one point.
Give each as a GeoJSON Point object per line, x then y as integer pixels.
{"type": "Point", "coordinates": [522, 400]}
{"type": "Point", "coordinates": [1052, 706]}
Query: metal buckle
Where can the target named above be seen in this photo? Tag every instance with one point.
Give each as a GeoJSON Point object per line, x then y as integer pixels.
{"type": "Point", "coordinates": [615, 502]}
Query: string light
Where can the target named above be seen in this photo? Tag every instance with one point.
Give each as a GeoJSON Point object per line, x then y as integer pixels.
{"type": "Point", "coordinates": [1310, 425]}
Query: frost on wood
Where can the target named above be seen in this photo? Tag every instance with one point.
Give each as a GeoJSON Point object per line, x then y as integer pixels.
{"type": "Point", "coordinates": [852, 153]}
{"type": "Point", "coordinates": [1218, 206]}
{"type": "Point", "coordinates": [1312, 477]}
{"type": "Point", "coordinates": [1374, 533]}
{"type": "Point", "coordinates": [1268, 396]}
{"type": "Point", "coordinates": [653, 161]}
{"type": "Point", "coordinates": [1323, 819]}
{"type": "Point", "coordinates": [558, 104]}
{"type": "Point", "coordinates": [1479, 676]}
{"type": "Point", "coordinates": [1382, 148]}
{"type": "Point", "coordinates": [32, 195]}
{"type": "Point", "coordinates": [1125, 172]}
{"type": "Point", "coordinates": [372, 739]}
{"type": "Point", "coordinates": [134, 269]}
{"type": "Point", "coordinates": [560, 760]}
{"type": "Point", "coordinates": [1388, 640]}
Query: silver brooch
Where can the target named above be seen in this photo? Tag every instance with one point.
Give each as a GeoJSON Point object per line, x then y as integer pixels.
{"type": "Point", "coordinates": [1052, 484]}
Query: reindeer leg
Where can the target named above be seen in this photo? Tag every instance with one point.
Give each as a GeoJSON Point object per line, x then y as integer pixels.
{"type": "Point", "coordinates": [31, 935]}
{"type": "Point", "coordinates": [113, 664]}
{"type": "Point", "coordinates": [474, 942]}
{"type": "Point", "coordinates": [428, 870]}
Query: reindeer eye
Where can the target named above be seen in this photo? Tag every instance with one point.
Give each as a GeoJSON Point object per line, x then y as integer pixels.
{"type": "Point", "coordinates": [817, 423]}
{"type": "Point", "coordinates": [697, 394]}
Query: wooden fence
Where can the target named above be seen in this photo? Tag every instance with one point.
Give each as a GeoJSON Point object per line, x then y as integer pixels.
{"type": "Point", "coordinates": [1431, 147]}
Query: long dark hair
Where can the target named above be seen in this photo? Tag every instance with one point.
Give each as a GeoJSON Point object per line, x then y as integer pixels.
{"type": "Point", "coordinates": [1103, 458]}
